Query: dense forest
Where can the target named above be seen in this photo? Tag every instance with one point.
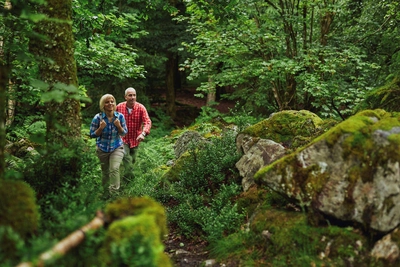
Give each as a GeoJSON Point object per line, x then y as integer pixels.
{"type": "Point", "coordinates": [333, 58]}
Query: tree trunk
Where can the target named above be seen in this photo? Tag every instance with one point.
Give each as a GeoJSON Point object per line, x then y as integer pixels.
{"type": "Point", "coordinates": [3, 85]}
{"type": "Point", "coordinates": [10, 106]}
{"type": "Point", "coordinates": [58, 69]}
{"type": "Point", "coordinates": [170, 82]}
{"type": "Point", "coordinates": [4, 72]}
{"type": "Point", "coordinates": [211, 94]}
{"type": "Point", "coordinates": [326, 22]}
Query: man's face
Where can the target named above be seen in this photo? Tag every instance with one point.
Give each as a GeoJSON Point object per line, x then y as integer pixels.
{"type": "Point", "coordinates": [130, 97]}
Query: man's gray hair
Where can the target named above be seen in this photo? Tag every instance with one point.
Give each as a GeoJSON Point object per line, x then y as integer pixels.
{"type": "Point", "coordinates": [129, 89]}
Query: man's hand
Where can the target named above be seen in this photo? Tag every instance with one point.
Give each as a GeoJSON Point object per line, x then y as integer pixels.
{"type": "Point", "coordinates": [140, 137]}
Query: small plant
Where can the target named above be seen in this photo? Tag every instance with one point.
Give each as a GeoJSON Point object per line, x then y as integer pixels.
{"type": "Point", "coordinates": [207, 113]}
{"type": "Point", "coordinates": [241, 118]}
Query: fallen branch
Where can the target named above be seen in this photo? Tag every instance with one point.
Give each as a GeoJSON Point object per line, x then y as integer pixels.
{"type": "Point", "coordinates": [71, 241]}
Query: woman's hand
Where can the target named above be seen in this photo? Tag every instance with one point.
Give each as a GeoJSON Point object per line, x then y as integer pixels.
{"type": "Point", "coordinates": [103, 124]}
{"type": "Point", "coordinates": [117, 123]}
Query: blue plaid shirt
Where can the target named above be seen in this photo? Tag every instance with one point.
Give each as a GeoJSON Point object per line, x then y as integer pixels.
{"type": "Point", "coordinates": [110, 139]}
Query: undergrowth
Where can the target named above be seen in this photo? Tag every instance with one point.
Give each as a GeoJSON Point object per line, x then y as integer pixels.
{"type": "Point", "coordinates": [202, 203]}
{"type": "Point", "coordinates": [204, 193]}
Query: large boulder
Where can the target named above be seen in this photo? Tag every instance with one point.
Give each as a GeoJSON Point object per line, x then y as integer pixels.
{"type": "Point", "coordinates": [270, 139]}
{"type": "Point", "coordinates": [134, 237]}
{"type": "Point", "coordinates": [291, 128]}
{"type": "Point", "coordinates": [187, 139]}
{"type": "Point", "coordinates": [350, 173]}
{"type": "Point", "coordinates": [260, 154]}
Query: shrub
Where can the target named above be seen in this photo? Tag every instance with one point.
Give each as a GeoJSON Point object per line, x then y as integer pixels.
{"type": "Point", "coordinates": [18, 207]}
{"type": "Point", "coordinates": [204, 191]}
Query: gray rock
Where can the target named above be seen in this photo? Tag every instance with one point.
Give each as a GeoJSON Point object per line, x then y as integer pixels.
{"type": "Point", "coordinates": [386, 249]}
{"type": "Point", "coordinates": [260, 154]}
{"type": "Point", "coordinates": [185, 140]}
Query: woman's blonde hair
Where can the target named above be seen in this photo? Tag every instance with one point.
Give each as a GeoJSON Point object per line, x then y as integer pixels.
{"type": "Point", "coordinates": [103, 100]}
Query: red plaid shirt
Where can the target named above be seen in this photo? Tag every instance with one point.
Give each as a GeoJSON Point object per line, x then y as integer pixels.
{"type": "Point", "coordinates": [137, 121]}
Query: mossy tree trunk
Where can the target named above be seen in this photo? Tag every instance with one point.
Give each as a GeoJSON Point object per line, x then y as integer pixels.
{"type": "Point", "coordinates": [57, 66]}
{"type": "Point", "coordinates": [4, 71]}
{"type": "Point", "coordinates": [3, 87]}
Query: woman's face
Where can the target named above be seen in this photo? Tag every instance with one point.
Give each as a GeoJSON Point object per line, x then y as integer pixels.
{"type": "Point", "coordinates": [109, 104]}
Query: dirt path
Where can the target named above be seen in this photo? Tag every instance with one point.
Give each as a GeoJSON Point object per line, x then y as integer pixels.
{"type": "Point", "coordinates": [182, 251]}
{"type": "Point", "coordinates": [186, 253]}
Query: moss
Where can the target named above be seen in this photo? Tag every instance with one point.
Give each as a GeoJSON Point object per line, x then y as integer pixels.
{"type": "Point", "coordinates": [172, 175]}
{"type": "Point", "coordinates": [354, 173]}
{"type": "Point", "coordinates": [249, 200]}
{"type": "Point", "coordinates": [19, 217]}
{"type": "Point", "coordinates": [289, 127]}
{"type": "Point", "coordinates": [134, 241]}
{"type": "Point", "coordinates": [395, 236]}
{"type": "Point", "coordinates": [377, 113]}
{"type": "Point", "coordinates": [135, 206]}
{"type": "Point", "coordinates": [315, 180]}
{"type": "Point", "coordinates": [386, 97]}
{"type": "Point", "coordinates": [388, 204]}
{"type": "Point", "coordinates": [349, 126]}
{"type": "Point", "coordinates": [310, 180]}
{"type": "Point", "coordinates": [207, 129]}
{"type": "Point", "coordinates": [394, 139]}
{"type": "Point", "coordinates": [18, 207]}
{"type": "Point", "coordinates": [275, 220]}
{"type": "Point", "coordinates": [290, 241]}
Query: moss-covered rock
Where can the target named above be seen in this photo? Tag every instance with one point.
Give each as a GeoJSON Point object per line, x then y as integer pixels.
{"type": "Point", "coordinates": [172, 173]}
{"type": "Point", "coordinates": [18, 207]}
{"type": "Point", "coordinates": [135, 234]}
{"type": "Point", "coordinates": [351, 172]}
{"type": "Point", "coordinates": [19, 217]}
{"type": "Point", "coordinates": [386, 97]}
{"type": "Point", "coordinates": [134, 241]}
{"type": "Point", "coordinates": [124, 207]}
{"type": "Point", "coordinates": [186, 140]}
{"type": "Point", "coordinates": [291, 128]}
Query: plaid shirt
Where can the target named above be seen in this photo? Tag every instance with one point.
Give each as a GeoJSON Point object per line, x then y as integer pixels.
{"type": "Point", "coordinates": [137, 120]}
{"type": "Point", "coordinates": [110, 139]}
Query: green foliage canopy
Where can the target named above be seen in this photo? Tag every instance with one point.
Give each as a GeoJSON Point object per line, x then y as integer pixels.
{"type": "Point", "coordinates": [282, 56]}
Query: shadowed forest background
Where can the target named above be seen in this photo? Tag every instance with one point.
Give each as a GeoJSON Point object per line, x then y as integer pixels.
{"type": "Point", "coordinates": [194, 65]}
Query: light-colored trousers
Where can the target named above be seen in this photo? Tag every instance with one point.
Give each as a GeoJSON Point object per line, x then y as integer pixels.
{"type": "Point", "coordinates": [110, 163]}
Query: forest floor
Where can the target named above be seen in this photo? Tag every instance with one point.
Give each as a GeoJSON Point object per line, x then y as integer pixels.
{"type": "Point", "coordinates": [185, 252]}
{"type": "Point", "coordinates": [190, 252]}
